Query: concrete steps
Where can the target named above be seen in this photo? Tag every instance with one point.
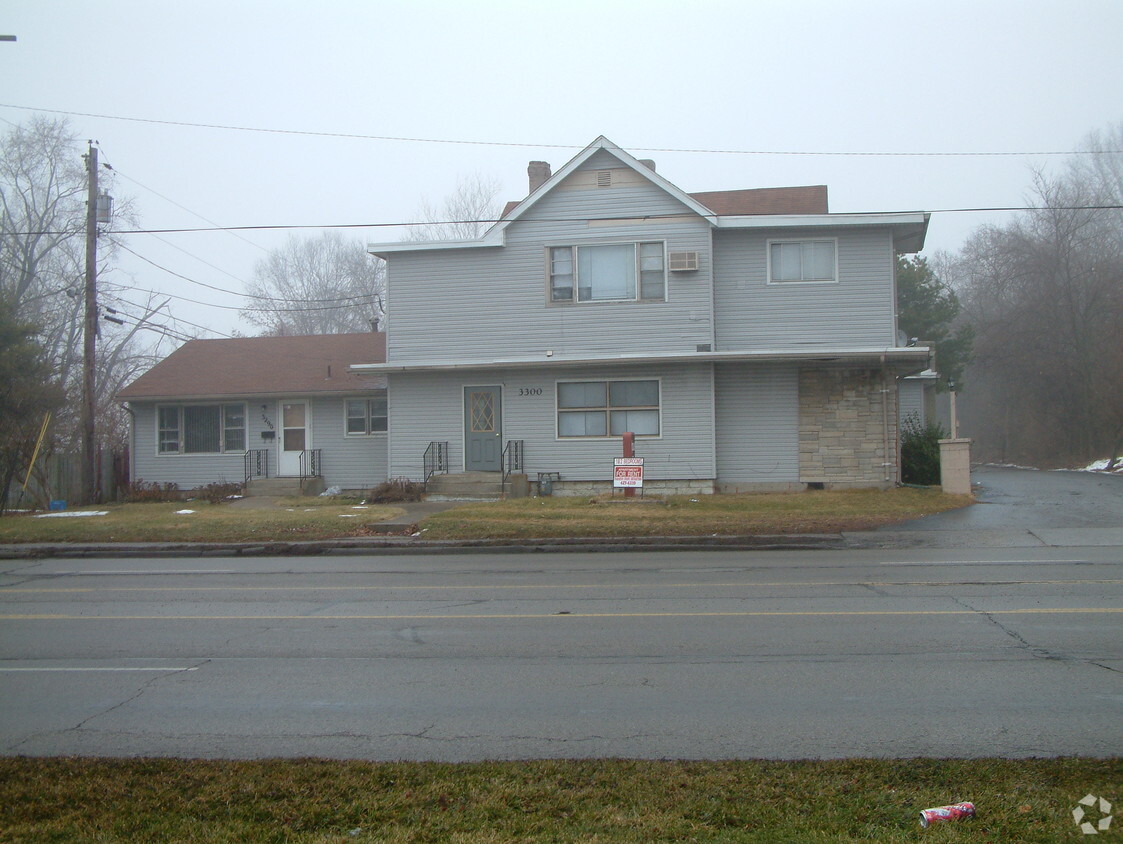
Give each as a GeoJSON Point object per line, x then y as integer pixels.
{"type": "Point", "coordinates": [474, 486]}
{"type": "Point", "coordinates": [287, 487]}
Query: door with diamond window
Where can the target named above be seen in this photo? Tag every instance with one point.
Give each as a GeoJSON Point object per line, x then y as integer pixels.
{"type": "Point", "coordinates": [483, 451]}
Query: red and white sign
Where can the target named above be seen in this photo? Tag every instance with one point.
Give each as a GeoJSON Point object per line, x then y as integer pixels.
{"type": "Point", "coordinates": [627, 472]}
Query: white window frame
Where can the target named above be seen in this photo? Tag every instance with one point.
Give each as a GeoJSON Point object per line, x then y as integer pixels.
{"type": "Point", "coordinates": [607, 408]}
{"type": "Point", "coordinates": [181, 428]}
{"type": "Point", "coordinates": [368, 432]}
{"type": "Point", "coordinates": [574, 262]}
{"type": "Point", "coordinates": [801, 240]}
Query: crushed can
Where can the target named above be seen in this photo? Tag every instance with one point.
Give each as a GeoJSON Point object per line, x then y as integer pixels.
{"type": "Point", "coordinates": [954, 812]}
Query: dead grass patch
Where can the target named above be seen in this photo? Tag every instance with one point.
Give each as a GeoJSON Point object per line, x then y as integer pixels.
{"type": "Point", "coordinates": [702, 515]}
{"type": "Point", "coordinates": [161, 522]}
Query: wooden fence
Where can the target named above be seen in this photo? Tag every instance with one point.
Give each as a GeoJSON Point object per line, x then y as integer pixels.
{"type": "Point", "coordinates": [58, 477]}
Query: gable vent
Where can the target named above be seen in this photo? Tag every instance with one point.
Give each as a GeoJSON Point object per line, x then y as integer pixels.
{"type": "Point", "coordinates": [604, 178]}
{"type": "Point", "coordinates": [682, 262]}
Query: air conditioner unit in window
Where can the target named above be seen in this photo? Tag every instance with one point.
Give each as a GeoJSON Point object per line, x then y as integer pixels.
{"type": "Point", "coordinates": [682, 262]}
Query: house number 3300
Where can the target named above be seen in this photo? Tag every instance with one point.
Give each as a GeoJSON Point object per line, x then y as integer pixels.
{"type": "Point", "coordinates": [530, 391]}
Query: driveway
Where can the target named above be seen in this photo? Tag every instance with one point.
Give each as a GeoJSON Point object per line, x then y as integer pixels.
{"type": "Point", "coordinates": [1027, 507]}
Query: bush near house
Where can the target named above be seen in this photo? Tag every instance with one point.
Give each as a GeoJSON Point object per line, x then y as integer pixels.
{"type": "Point", "coordinates": [396, 490]}
{"type": "Point", "coordinates": [920, 451]}
{"type": "Point", "coordinates": [217, 493]}
{"type": "Point", "coordinates": [140, 492]}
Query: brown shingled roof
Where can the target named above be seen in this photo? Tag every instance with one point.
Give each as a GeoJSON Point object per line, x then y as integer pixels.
{"type": "Point", "coordinates": [809, 199]}
{"type": "Point", "coordinates": [262, 366]}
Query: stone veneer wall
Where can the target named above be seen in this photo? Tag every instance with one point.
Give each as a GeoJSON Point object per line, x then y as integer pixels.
{"type": "Point", "coordinates": [696, 486]}
{"type": "Point", "coordinates": [842, 418]}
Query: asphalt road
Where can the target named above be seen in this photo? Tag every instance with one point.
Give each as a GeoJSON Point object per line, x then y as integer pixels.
{"type": "Point", "coordinates": [940, 652]}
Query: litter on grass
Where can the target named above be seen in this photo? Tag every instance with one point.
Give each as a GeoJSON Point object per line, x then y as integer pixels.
{"type": "Point", "coordinates": [184, 512]}
{"type": "Point", "coordinates": [954, 812]}
{"type": "Point", "coordinates": [331, 490]}
{"type": "Point", "coordinates": [72, 514]}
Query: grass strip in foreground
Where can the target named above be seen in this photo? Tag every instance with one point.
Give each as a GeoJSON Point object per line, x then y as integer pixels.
{"type": "Point", "coordinates": [73, 799]}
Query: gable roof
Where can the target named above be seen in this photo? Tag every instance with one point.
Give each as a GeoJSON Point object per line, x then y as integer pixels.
{"type": "Point", "coordinates": [301, 365]}
{"type": "Point", "coordinates": [786, 207]}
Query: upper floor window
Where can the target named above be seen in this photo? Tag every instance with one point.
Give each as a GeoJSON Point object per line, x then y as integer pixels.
{"type": "Point", "coordinates": [366, 416]}
{"type": "Point", "coordinates": [802, 260]}
{"type": "Point", "coordinates": [201, 428]}
{"type": "Point", "coordinates": [611, 272]}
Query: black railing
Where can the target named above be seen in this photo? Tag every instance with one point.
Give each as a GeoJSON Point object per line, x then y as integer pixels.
{"type": "Point", "coordinates": [256, 463]}
{"type": "Point", "coordinates": [436, 460]}
{"type": "Point", "coordinates": [512, 459]}
{"type": "Point", "coordinates": [311, 463]}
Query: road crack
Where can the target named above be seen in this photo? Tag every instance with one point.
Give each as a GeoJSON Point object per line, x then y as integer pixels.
{"type": "Point", "coordinates": [1034, 650]}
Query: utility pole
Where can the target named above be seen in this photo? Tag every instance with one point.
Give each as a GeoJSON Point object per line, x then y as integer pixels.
{"type": "Point", "coordinates": [89, 337]}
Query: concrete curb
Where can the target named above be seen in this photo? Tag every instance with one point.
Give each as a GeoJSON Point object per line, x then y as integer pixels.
{"type": "Point", "coordinates": [410, 545]}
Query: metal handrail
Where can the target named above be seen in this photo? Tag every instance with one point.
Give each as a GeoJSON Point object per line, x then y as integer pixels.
{"type": "Point", "coordinates": [511, 459]}
{"type": "Point", "coordinates": [311, 463]}
{"type": "Point", "coordinates": [256, 463]}
{"type": "Point", "coordinates": [435, 460]}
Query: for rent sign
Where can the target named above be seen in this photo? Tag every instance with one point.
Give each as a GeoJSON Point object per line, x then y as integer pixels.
{"type": "Point", "coordinates": [627, 472]}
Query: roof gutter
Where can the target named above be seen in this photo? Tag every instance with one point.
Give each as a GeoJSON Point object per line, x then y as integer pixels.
{"type": "Point", "coordinates": [913, 355]}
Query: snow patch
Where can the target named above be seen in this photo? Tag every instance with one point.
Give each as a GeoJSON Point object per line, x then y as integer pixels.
{"type": "Point", "coordinates": [72, 514]}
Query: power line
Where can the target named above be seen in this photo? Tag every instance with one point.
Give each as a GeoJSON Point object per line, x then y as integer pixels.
{"type": "Point", "coordinates": [300, 226]}
{"type": "Point", "coordinates": [464, 142]}
{"type": "Point", "coordinates": [185, 208]}
{"type": "Point", "coordinates": [340, 301]}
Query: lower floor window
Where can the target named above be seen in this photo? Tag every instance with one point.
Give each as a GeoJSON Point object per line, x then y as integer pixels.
{"type": "Point", "coordinates": [366, 416]}
{"type": "Point", "coordinates": [201, 428]}
{"type": "Point", "coordinates": [608, 408]}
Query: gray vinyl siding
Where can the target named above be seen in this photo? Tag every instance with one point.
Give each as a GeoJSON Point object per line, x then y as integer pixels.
{"type": "Point", "coordinates": [348, 462]}
{"type": "Point", "coordinates": [429, 406]}
{"type": "Point", "coordinates": [486, 303]}
{"type": "Point", "coordinates": [351, 462]}
{"type": "Point", "coordinates": [857, 310]}
{"type": "Point", "coordinates": [910, 400]}
{"type": "Point", "coordinates": [757, 411]}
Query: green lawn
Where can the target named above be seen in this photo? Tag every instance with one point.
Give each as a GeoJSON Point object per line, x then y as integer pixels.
{"type": "Point", "coordinates": [141, 800]}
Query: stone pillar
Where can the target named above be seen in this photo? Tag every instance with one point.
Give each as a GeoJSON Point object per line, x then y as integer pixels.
{"type": "Point", "coordinates": [955, 466]}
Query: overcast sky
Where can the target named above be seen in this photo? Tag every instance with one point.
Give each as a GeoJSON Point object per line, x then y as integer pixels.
{"type": "Point", "coordinates": [492, 85]}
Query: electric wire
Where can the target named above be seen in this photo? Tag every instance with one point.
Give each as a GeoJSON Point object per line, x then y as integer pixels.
{"type": "Point", "coordinates": [421, 244]}
{"type": "Point", "coordinates": [466, 142]}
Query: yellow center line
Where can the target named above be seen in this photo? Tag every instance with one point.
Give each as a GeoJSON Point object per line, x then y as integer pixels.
{"type": "Point", "coordinates": [562, 615]}
{"type": "Point", "coordinates": [531, 586]}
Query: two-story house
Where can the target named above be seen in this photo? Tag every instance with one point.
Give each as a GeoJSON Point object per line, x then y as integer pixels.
{"type": "Point", "coordinates": [747, 338]}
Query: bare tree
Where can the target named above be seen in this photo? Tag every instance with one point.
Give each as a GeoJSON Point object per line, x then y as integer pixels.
{"type": "Point", "coordinates": [1045, 295]}
{"type": "Point", "coordinates": [42, 268]}
{"type": "Point", "coordinates": [324, 285]}
{"type": "Point", "coordinates": [465, 214]}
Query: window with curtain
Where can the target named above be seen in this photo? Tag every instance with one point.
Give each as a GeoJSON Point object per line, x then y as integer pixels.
{"type": "Point", "coordinates": [609, 272]}
{"type": "Point", "coordinates": [201, 428]}
{"type": "Point", "coordinates": [801, 260]}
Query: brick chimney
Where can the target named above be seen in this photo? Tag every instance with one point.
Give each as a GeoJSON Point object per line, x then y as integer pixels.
{"type": "Point", "coordinates": [539, 173]}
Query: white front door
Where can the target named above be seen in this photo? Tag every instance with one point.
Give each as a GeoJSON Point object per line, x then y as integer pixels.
{"type": "Point", "coordinates": [294, 437]}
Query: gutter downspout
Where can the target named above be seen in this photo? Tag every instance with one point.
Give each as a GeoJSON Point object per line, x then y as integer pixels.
{"type": "Point", "coordinates": [128, 408]}
{"type": "Point", "coordinates": [885, 417]}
